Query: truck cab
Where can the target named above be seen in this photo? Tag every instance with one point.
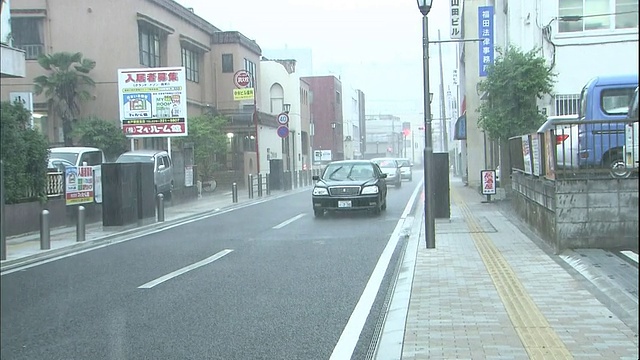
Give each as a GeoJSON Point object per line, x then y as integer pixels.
{"type": "Point", "coordinates": [604, 103]}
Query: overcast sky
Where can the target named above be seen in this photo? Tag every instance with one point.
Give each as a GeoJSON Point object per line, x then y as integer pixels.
{"type": "Point", "coordinates": [373, 45]}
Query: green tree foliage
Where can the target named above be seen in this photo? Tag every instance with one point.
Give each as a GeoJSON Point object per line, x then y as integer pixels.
{"type": "Point", "coordinates": [513, 85]}
{"type": "Point", "coordinates": [24, 154]}
{"type": "Point", "coordinates": [65, 86]}
{"type": "Point", "coordinates": [206, 133]}
{"type": "Point", "coordinates": [102, 134]}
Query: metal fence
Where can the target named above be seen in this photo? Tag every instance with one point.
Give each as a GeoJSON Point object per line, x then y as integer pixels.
{"type": "Point", "coordinates": [578, 149]}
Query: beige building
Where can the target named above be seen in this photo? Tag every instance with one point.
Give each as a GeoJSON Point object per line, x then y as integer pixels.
{"type": "Point", "coordinates": [121, 34]}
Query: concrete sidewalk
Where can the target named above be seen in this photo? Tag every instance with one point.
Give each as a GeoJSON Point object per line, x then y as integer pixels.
{"type": "Point", "coordinates": [487, 291]}
{"type": "Point", "coordinates": [26, 248]}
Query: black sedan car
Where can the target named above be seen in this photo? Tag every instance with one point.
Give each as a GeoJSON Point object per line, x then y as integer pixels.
{"type": "Point", "coordinates": [350, 185]}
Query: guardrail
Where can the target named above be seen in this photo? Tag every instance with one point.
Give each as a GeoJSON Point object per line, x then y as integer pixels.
{"type": "Point", "coordinates": [574, 149]}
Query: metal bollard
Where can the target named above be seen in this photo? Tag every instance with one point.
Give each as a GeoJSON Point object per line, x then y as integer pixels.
{"type": "Point", "coordinates": [234, 192]}
{"type": "Point", "coordinates": [250, 185]}
{"type": "Point", "coordinates": [160, 207]}
{"type": "Point", "coordinates": [259, 185]}
{"type": "Point", "coordinates": [81, 225]}
{"type": "Point", "coordinates": [45, 233]}
{"type": "Point", "coordinates": [267, 186]}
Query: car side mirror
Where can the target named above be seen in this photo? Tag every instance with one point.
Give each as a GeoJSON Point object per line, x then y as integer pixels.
{"type": "Point", "coordinates": [315, 177]}
{"type": "Point", "coordinates": [383, 176]}
{"type": "Point", "coordinates": [161, 167]}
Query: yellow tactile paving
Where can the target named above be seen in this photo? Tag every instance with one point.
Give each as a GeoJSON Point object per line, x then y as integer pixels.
{"type": "Point", "coordinates": [538, 338]}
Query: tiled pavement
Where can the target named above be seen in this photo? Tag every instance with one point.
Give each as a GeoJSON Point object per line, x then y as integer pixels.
{"type": "Point", "coordinates": [487, 291]}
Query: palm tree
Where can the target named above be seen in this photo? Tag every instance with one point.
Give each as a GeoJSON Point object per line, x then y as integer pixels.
{"type": "Point", "coordinates": [65, 86]}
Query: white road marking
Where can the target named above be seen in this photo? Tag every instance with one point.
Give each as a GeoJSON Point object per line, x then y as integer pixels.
{"type": "Point", "coordinates": [287, 222]}
{"type": "Point", "coordinates": [142, 234]}
{"type": "Point", "coordinates": [185, 269]}
{"type": "Point", "coordinates": [351, 333]}
{"type": "Point", "coordinates": [630, 254]}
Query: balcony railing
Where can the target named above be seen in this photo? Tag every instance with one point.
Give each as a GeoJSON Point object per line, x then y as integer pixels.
{"type": "Point", "coordinates": [32, 51]}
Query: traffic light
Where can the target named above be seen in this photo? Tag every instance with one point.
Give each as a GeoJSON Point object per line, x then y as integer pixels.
{"type": "Point", "coordinates": [406, 132]}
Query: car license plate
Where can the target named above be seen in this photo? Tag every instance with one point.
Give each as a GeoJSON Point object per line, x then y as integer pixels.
{"type": "Point", "coordinates": [344, 203]}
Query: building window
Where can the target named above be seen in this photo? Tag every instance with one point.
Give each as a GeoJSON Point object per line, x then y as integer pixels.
{"type": "Point", "coordinates": [338, 98]}
{"type": "Point", "coordinates": [626, 14]}
{"type": "Point", "coordinates": [149, 42]}
{"type": "Point", "coordinates": [250, 66]}
{"type": "Point", "coordinates": [585, 15]}
{"type": "Point", "coordinates": [191, 63]}
{"type": "Point", "coordinates": [567, 104]}
{"type": "Point", "coordinates": [28, 35]}
{"type": "Point", "coordinates": [227, 63]}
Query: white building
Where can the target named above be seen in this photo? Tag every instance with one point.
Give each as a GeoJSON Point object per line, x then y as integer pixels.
{"type": "Point", "coordinates": [580, 39]}
{"type": "Point", "coordinates": [13, 61]}
{"type": "Point", "coordinates": [351, 122]}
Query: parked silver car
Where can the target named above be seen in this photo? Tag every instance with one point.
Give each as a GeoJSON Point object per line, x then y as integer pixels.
{"type": "Point", "coordinates": [162, 164]}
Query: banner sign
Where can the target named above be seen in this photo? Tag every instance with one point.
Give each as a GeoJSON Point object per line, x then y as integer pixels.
{"type": "Point", "coordinates": [78, 187]}
{"type": "Point", "coordinates": [153, 102]}
{"type": "Point", "coordinates": [456, 24]}
{"type": "Point", "coordinates": [485, 32]}
{"type": "Point", "coordinates": [488, 178]}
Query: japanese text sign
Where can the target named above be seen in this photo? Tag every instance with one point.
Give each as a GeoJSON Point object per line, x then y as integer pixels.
{"type": "Point", "coordinates": [243, 94]}
{"type": "Point", "coordinates": [485, 33]}
{"type": "Point", "coordinates": [78, 183]}
{"type": "Point", "coordinates": [488, 178]}
{"type": "Point", "coordinates": [456, 23]}
{"type": "Point", "coordinates": [153, 102]}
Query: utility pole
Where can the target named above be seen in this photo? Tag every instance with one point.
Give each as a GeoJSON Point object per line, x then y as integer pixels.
{"type": "Point", "coordinates": [443, 118]}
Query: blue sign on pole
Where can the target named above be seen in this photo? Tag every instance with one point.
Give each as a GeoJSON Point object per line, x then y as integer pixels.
{"type": "Point", "coordinates": [283, 131]}
{"type": "Point", "coordinates": [485, 32]}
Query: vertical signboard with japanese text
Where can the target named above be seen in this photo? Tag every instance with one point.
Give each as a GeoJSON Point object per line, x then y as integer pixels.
{"type": "Point", "coordinates": [456, 24]}
{"type": "Point", "coordinates": [488, 182]}
{"type": "Point", "coordinates": [485, 33]}
{"type": "Point", "coordinates": [153, 102]}
{"type": "Point", "coordinates": [78, 185]}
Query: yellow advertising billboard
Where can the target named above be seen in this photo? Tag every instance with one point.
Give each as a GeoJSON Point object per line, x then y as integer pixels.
{"type": "Point", "coordinates": [243, 94]}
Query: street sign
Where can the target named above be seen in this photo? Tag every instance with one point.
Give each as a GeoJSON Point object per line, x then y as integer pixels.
{"type": "Point", "coordinates": [242, 79]}
{"type": "Point", "coordinates": [488, 178]}
{"type": "Point", "coordinates": [283, 118]}
{"type": "Point", "coordinates": [283, 131]}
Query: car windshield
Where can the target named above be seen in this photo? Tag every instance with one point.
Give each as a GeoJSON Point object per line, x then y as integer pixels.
{"type": "Point", "coordinates": [70, 157]}
{"type": "Point", "coordinates": [135, 159]}
{"type": "Point", "coordinates": [386, 163]}
{"type": "Point", "coordinates": [345, 172]}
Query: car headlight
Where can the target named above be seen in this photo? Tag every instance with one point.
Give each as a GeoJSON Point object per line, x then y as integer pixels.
{"type": "Point", "coordinates": [320, 191]}
{"type": "Point", "coordinates": [369, 190]}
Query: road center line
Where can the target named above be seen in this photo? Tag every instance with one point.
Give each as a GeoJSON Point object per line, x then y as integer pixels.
{"type": "Point", "coordinates": [351, 333]}
{"type": "Point", "coordinates": [185, 269]}
{"type": "Point", "coordinates": [287, 222]}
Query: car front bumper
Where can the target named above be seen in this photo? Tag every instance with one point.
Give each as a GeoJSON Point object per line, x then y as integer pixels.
{"type": "Point", "coordinates": [362, 202]}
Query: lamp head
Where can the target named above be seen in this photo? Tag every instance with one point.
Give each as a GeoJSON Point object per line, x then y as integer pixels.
{"type": "Point", "coordinates": [424, 6]}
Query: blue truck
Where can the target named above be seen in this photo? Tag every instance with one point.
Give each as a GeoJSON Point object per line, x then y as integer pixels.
{"type": "Point", "coordinates": [601, 140]}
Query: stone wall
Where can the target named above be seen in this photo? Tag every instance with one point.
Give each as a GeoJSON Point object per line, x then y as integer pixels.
{"type": "Point", "coordinates": [570, 214]}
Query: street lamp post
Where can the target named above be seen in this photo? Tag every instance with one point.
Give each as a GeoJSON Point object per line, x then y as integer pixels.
{"type": "Point", "coordinates": [429, 219]}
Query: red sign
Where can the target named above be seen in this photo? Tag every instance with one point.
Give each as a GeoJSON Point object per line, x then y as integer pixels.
{"type": "Point", "coordinates": [242, 79]}
{"type": "Point", "coordinates": [153, 130]}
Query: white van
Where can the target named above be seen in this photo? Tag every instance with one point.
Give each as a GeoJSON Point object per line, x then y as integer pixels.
{"type": "Point", "coordinates": [83, 156]}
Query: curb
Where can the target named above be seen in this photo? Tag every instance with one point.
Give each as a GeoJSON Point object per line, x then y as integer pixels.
{"type": "Point", "coordinates": [7, 265]}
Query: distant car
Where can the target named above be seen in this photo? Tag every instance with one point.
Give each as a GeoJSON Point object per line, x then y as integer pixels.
{"type": "Point", "coordinates": [390, 167]}
{"type": "Point", "coordinates": [405, 168]}
{"type": "Point", "coordinates": [350, 185]}
{"type": "Point", "coordinates": [162, 165]}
